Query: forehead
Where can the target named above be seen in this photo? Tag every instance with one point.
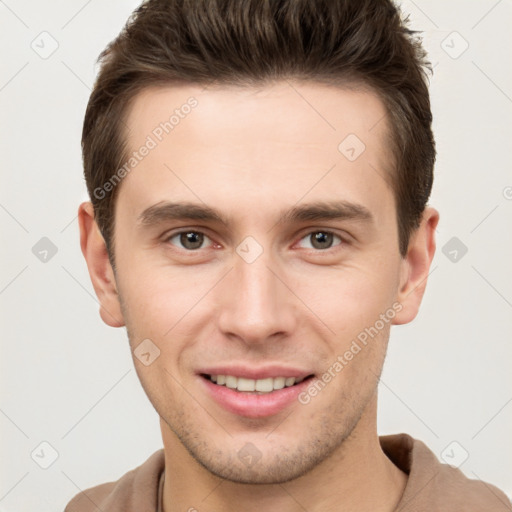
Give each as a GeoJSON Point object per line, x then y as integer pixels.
{"type": "Point", "coordinates": [245, 144]}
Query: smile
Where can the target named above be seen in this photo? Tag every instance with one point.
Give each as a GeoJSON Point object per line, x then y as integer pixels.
{"type": "Point", "coordinates": [254, 398]}
{"type": "Point", "coordinates": [255, 386]}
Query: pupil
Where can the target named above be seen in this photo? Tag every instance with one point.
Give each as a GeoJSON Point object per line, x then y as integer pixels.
{"type": "Point", "coordinates": [191, 240]}
{"type": "Point", "coordinates": [322, 240]}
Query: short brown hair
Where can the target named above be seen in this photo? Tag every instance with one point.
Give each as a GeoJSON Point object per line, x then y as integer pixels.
{"type": "Point", "coordinates": [251, 42]}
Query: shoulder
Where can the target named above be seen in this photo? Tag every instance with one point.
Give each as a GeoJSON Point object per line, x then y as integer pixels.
{"type": "Point", "coordinates": [435, 486]}
{"type": "Point", "coordinates": [133, 490]}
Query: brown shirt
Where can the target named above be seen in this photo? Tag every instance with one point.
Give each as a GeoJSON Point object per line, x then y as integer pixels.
{"type": "Point", "coordinates": [431, 486]}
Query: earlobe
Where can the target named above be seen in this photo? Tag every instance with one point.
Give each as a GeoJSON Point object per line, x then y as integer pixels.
{"type": "Point", "coordinates": [98, 263]}
{"type": "Point", "coordinates": [416, 267]}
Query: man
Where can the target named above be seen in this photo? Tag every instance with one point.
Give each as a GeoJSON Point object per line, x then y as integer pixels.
{"type": "Point", "coordinates": [259, 175]}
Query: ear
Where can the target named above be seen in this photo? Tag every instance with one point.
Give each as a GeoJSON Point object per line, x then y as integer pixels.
{"type": "Point", "coordinates": [102, 275]}
{"type": "Point", "coordinates": [416, 266]}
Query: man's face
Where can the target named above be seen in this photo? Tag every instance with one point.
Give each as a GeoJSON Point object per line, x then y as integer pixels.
{"type": "Point", "coordinates": [268, 294]}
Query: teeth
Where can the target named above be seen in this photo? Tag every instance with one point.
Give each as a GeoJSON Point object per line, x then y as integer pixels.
{"type": "Point", "coordinates": [231, 381]}
{"type": "Point", "coordinates": [246, 384]}
{"type": "Point", "coordinates": [255, 386]}
{"type": "Point", "coordinates": [265, 385]}
{"type": "Point", "coordinates": [279, 382]}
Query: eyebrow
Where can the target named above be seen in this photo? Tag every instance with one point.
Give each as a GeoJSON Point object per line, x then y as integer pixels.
{"type": "Point", "coordinates": [165, 211]}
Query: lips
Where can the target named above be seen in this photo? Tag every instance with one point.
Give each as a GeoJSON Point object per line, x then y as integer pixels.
{"type": "Point", "coordinates": [254, 393]}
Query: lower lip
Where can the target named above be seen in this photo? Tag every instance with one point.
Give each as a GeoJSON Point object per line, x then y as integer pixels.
{"type": "Point", "coordinates": [252, 405]}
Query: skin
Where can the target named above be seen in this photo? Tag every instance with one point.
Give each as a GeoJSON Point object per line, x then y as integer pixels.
{"type": "Point", "coordinates": [251, 153]}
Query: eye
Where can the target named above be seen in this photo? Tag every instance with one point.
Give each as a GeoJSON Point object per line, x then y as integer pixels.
{"type": "Point", "coordinates": [321, 240]}
{"type": "Point", "coordinates": [189, 240]}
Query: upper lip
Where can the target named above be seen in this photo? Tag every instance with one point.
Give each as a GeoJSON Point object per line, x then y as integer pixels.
{"type": "Point", "coordinates": [255, 373]}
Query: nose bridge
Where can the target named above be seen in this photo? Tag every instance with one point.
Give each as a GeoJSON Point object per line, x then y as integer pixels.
{"type": "Point", "coordinates": [255, 303]}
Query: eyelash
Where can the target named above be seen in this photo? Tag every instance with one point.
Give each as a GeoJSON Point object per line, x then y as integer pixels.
{"type": "Point", "coordinates": [308, 234]}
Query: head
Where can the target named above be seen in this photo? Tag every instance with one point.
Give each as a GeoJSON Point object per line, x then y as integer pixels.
{"type": "Point", "coordinates": [294, 142]}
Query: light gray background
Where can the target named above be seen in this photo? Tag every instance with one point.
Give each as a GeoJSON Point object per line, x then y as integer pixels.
{"type": "Point", "coordinates": [68, 379]}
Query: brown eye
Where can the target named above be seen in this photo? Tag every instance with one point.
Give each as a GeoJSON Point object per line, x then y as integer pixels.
{"type": "Point", "coordinates": [321, 240]}
{"type": "Point", "coordinates": [190, 240]}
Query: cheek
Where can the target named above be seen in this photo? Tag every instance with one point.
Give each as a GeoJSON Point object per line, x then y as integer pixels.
{"type": "Point", "coordinates": [158, 295]}
{"type": "Point", "coordinates": [168, 306]}
{"type": "Point", "coordinates": [349, 298]}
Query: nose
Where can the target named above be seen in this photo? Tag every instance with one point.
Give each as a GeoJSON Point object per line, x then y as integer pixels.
{"type": "Point", "coordinates": [256, 305]}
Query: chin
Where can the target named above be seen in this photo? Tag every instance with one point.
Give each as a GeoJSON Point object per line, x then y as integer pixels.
{"type": "Point", "coordinates": [270, 473]}
{"type": "Point", "coordinates": [274, 464]}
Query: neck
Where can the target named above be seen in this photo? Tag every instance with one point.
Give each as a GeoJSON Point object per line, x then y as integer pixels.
{"type": "Point", "coordinates": [356, 477]}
